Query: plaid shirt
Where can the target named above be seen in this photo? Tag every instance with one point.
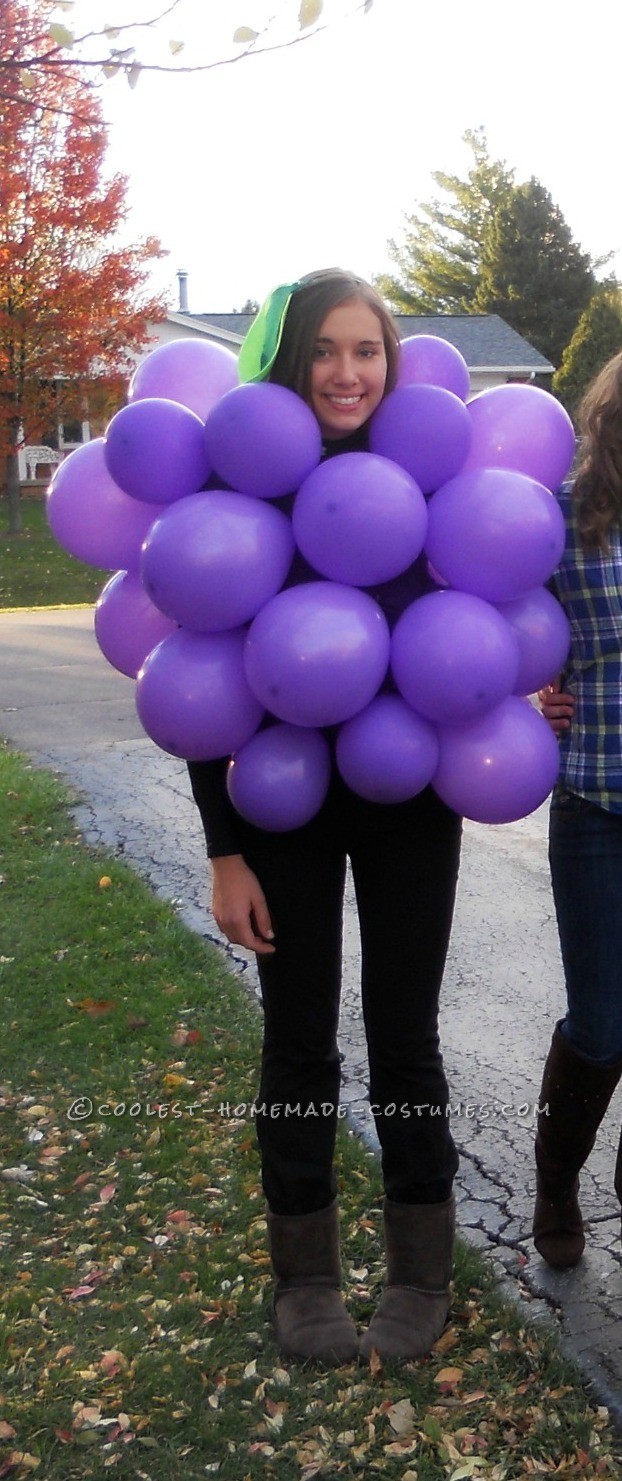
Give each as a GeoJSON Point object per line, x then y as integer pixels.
{"type": "Point", "coordinates": [589, 587]}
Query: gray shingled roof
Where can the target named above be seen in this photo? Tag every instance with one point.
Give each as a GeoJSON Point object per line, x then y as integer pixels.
{"type": "Point", "coordinates": [485, 340]}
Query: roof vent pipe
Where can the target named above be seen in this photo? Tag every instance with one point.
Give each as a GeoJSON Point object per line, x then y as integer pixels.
{"type": "Point", "coordinates": [182, 278]}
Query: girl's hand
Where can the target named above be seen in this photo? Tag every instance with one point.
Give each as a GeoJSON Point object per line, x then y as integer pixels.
{"type": "Point", "coordinates": [239, 905]}
{"type": "Point", "coordinates": [556, 707]}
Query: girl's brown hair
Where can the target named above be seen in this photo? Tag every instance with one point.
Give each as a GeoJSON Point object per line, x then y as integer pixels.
{"type": "Point", "coordinates": [318, 293]}
{"type": "Point", "coordinates": [598, 481]}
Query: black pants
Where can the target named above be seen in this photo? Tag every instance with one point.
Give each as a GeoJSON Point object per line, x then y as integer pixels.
{"type": "Point", "coordinates": [405, 866]}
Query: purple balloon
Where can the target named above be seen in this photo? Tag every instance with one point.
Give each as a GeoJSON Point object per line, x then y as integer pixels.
{"type": "Point", "coordinates": [91, 517]}
{"type": "Point", "coordinates": [263, 440]}
{"type": "Point", "coordinates": [213, 560]}
{"type": "Point", "coordinates": [426, 359]}
{"type": "Point", "coordinates": [316, 654]}
{"type": "Point", "coordinates": [155, 450]}
{"type": "Point", "coordinates": [192, 695]}
{"type": "Point", "coordinates": [360, 519]}
{"type": "Point", "coordinates": [453, 657]}
{"type": "Point", "coordinates": [127, 625]}
{"type": "Point", "coordinates": [280, 778]}
{"type": "Point", "coordinates": [500, 768]}
{"type": "Point", "coordinates": [494, 533]}
{"type": "Point", "coordinates": [426, 430]}
{"type": "Point", "coordinates": [387, 753]}
{"type": "Point", "coordinates": [542, 631]}
{"type": "Point", "coordinates": [195, 372]}
{"type": "Point", "coordinates": [523, 428]}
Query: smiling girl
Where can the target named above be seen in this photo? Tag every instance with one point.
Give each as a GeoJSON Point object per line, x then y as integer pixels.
{"type": "Point", "coordinates": [331, 339]}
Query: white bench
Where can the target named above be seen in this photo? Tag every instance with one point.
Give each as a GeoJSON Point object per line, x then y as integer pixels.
{"type": "Point", "coordinates": [35, 455]}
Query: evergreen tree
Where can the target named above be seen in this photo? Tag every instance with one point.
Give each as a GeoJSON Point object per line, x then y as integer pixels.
{"type": "Point", "coordinates": [532, 272]}
{"type": "Point", "coordinates": [597, 337]}
{"type": "Point", "coordinates": [438, 261]}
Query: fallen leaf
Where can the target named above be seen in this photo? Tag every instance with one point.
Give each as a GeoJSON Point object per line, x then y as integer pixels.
{"type": "Point", "coordinates": [105, 882]}
{"type": "Point", "coordinates": [450, 1376]}
{"type": "Point", "coordinates": [96, 1007]}
{"type": "Point", "coordinates": [112, 1361]}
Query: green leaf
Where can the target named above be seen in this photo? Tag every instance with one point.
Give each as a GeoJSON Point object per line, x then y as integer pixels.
{"type": "Point", "coordinates": [110, 69]}
{"type": "Point", "coordinates": [111, 32]}
{"type": "Point", "coordinates": [310, 12]}
{"type": "Point", "coordinates": [27, 79]}
{"type": "Point", "coordinates": [244, 34]}
{"type": "Point", "coordinates": [61, 36]}
{"type": "Point", "coordinates": [134, 74]}
{"type": "Point", "coordinates": [175, 47]}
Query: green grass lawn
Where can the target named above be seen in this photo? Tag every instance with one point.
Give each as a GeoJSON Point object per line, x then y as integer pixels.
{"type": "Point", "coordinates": [135, 1333]}
{"type": "Point", "coordinates": [35, 571]}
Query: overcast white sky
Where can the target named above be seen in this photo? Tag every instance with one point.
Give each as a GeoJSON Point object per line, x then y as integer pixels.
{"type": "Point", "coordinates": [254, 173]}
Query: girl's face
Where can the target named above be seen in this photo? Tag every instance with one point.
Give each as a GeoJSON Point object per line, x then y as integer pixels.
{"type": "Point", "coordinates": [349, 369]}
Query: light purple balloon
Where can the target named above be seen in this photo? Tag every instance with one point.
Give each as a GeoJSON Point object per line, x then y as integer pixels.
{"type": "Point", "coordinates": [280, 778]}
{"type": "Point", "coordinates": [523, 428]}
{"type": "Point", "coordinates": [360, 519]}
{"type": "Point", "coordinates": [427, 359]}
{"type": "Point", "coordinates": [453, 657]}
{"type": "Point", "coordinates": [316, 654]}
{"type": "Point", "coordinates": [501, 767]}
{"type": "Point", "coordinates": [387, 753]}
{"type": "Point", "coordinates": [542, 631]}
{"type": "Point", "coordinates": [91, 517]}
{"type": "Point", "coordinates": [127, 625]}
{"type": "Point", "coordinates": [263, 440]}
{"type": "Point", "coordinates": [192, 696]}
{"type": "Point", "coordinates": [426, 430]}
{"type": "Point", "coordinates": [494, 533]}
{"type": "Point", "coordinates": [213, 560]}
{"type": "Point", "coordinates": [155, 450]}
{"type": "Point", "coordinates": [195, 372]}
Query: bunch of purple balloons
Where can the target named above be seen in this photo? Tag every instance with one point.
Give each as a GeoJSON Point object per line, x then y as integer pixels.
{"type": "Point", "coordinates": [183, 499]}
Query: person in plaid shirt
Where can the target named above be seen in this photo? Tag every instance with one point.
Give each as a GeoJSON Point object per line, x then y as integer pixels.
{"type": "Point", "coordinates": [584, 707]}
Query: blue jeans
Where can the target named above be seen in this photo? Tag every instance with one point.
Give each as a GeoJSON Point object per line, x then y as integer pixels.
{"type": "Point", "coordinates": [585, 855]}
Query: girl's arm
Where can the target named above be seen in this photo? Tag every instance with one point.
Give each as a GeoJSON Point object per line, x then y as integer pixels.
{"type": "Point", "coordinates": [238, 901]}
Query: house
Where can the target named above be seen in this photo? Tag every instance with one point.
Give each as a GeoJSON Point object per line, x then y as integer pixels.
{"type": "Point", "coordinates": [494, 353]}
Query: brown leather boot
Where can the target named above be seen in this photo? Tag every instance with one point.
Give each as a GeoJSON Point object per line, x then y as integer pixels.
{"type": "Point", "coordinates": [412, 1311]}
{"type": "Point", "coordinates": [574, 1097]}
{"type": "Point", "coordinates": [310, 1317]}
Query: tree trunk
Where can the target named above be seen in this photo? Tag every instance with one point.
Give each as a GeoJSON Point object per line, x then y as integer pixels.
{"type": "Point", "coordinates": [13, 494]}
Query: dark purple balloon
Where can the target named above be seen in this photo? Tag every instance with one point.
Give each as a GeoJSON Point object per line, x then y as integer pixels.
{"type": "Point", "coordinates": [453, 657]}
{"type": "Point", "coordinates": [280, 778]}
{"type": "Point", "coordinates": [522, 428]}
{"type": "Point", "coordinates": [213, 560]}
{"type": "Point", "coordinates": [263, 440]}
{"type": "Point", "coordinates": [542, 632]}
{"type": "Point", "coordinates": [360, 519]}
{"type": "Point", "coordinates": [127, 625]}
{"type": "Point", "coordinates": [195, 372]}
{"type": "Point", "coordinates": [426, 430]}
{"type": "Point", "coordinates": [192, 695]}
{"type": "Point", "coordinates": [500, 768]}
{"type": "Point", "coordinates": [91, 517]}
{"type": "Point", "coordinates": [494, 533]}
{"type": "Point", "coordinates": [426, 359]}
{"type": "Point", "coordinates": [155, 450]}
{"type": "Point", "coordinates": [317, 654]}
{"type": "Point", "coordinates": [387, 753]}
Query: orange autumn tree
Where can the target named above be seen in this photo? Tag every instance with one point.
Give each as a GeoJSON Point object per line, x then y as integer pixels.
{"type": "Point", "coordinates": [73, 305]}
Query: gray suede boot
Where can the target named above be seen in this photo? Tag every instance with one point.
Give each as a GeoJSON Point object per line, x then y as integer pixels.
{"type": "Point", "coordinates": [412, 1311]}
{"type": "Point", "coordinates": [310, 1317]}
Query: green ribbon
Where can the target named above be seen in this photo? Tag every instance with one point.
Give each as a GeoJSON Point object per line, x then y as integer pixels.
{"type": "Point", "coordinates": [260, 347]}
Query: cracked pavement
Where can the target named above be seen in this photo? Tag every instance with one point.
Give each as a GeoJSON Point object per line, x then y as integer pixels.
{"type": "Point", "coordinates": [61, 703]}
